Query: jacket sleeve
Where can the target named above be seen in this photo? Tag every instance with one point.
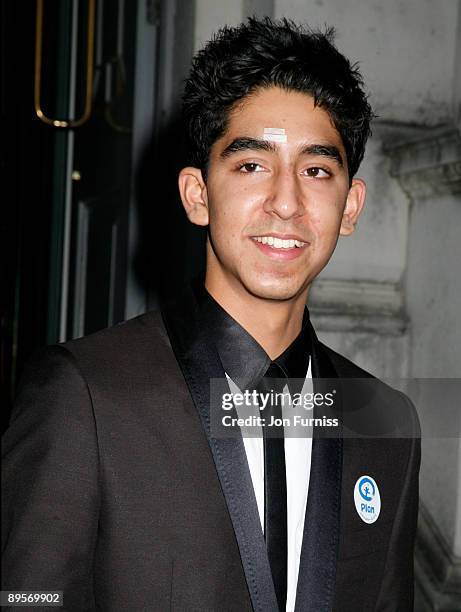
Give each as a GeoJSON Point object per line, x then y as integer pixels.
{"type": "Point", "coordinates": [397, 588]}
{"type": "Point", "coordinates": [50, 483]}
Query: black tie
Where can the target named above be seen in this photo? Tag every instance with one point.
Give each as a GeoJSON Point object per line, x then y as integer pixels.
{"type": "Point", "coordinates": [275, 486]}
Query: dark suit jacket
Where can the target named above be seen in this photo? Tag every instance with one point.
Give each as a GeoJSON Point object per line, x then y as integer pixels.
{"type": "Point", "coordinates": [116, 493]}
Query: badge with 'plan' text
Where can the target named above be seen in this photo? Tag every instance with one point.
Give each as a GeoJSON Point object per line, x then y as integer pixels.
{"type": "Point", "coordinates": [367, 499]}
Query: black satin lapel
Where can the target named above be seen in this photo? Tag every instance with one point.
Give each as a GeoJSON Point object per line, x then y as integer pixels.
{"type": "Point", "coordinates": [317, 569]}
{"type": "Point", "coordinates": [199, 362]}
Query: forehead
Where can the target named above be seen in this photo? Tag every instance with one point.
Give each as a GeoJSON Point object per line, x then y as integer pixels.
{"type": "Point", "coordinates": [277, 108]}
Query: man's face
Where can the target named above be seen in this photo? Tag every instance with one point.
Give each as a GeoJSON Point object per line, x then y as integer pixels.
{"type": "Point", "coordinates": [263, 188]}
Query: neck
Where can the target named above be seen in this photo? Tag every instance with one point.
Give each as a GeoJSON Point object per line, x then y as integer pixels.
{"type": "Point", "coordinates": [274, 324]}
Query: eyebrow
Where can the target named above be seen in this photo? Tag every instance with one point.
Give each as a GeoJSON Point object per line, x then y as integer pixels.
{"type": "Point", "coordinates": [325, 150]}
{"type": "Point", "coordinates": [256, 144]}
{"type": "Point", "coordinates": [244, 143]}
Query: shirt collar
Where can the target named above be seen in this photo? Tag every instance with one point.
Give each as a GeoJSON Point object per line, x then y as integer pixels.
{"type": "Point", "coordinates": [242, 357]}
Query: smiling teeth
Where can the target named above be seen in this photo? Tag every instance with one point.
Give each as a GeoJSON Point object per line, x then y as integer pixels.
{"type": "Point", "coordinates": [278, 243]}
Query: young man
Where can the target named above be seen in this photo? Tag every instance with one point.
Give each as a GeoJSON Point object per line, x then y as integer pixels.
{"type": "Point", "coordinates": [118, 490]}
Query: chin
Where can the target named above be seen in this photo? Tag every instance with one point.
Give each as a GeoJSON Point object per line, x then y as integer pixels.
{"type": "Point", "coordinates": [275, 289]}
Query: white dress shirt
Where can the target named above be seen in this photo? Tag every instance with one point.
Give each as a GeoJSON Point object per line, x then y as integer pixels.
{"type": "Point", "coordinates": [298, 464]}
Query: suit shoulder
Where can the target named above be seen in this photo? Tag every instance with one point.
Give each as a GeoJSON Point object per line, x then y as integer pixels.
{"type": "Point", "coordinates": [134, 334]}
{"type": "Point", "coordinates": [345, 366]}
{"type": "Point", "coordinates": [392, 408]}
{"type": "Point", "coordinates": [134, 348]}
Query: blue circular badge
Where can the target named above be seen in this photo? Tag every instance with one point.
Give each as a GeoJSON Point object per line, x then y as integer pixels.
{"type": "Point", "coordinates": [367, 499]}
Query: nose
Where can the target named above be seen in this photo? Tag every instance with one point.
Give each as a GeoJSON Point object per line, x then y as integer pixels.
{"type": "Point", "coordinates": [285, 197]}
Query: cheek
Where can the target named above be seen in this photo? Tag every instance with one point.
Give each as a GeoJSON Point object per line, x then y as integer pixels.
{"type": "Point", "coordinates": [231, 214]}
{"type": "Point", "coordinates": [223, 223]}
{"type": "Point", "coordinates": [326, 220]}
{"type": "Point", "coordinates": [224, 228]}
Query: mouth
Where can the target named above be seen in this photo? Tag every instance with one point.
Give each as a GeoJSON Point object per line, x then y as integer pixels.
{"type": "Point", "coordinates": [280, 247]}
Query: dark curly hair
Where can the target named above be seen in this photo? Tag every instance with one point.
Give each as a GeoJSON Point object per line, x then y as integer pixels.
{"type": "Point", "coordinates": [262, 53]}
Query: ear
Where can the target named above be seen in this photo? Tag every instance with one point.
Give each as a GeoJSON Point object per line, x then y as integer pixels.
{"type": "Point", "coordinates": [354, 204]}
{"type": "Point", "coordinates": [194, 195]}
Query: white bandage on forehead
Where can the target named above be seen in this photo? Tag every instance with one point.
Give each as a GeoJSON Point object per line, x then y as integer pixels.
{"type": "Point", "coordinates": [275, 134]}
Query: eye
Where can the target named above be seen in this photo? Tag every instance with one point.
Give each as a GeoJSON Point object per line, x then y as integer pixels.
{"type": "Point", "coordinates": [316, 172]}
{"type": "Point", "coordinates": [250, 167]}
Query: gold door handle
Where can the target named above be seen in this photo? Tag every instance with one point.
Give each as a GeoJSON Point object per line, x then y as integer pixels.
{"type": "Point", "coordinates": [64, 123]}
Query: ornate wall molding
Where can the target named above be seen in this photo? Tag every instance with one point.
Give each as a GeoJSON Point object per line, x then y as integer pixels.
{"type": "Point", "coordinates": [427, 165]}
{"type": "Point", "coordinates": [437, 570]}
{"type": "Point", "coordinates": [357, 306]}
